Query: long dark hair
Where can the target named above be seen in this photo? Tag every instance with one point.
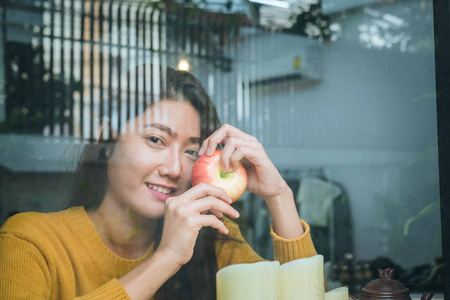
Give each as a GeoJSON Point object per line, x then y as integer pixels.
{"type": "Point", "coordinates": [196, 279]}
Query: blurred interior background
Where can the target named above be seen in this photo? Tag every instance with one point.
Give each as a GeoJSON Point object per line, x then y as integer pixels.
{"type": "Point", "coordinates": [342, 94]}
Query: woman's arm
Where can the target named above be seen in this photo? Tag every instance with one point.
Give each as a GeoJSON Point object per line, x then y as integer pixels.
{"type": "Point", "coordinates": [144, 281]}
{"type": "Point", "coordinates": [24, 273]}
{"type": "Point", "coordinates": [286, 222]}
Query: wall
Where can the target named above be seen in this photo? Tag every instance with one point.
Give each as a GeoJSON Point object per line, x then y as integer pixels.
{"type": "Point", "coordinates": [370, 123]}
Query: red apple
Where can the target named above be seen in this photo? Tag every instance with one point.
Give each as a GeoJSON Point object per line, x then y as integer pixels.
{"type": "Point", "coordinates": [207, 169]}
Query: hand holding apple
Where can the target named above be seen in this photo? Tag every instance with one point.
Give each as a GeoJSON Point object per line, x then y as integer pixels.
{"type": "Point", "coordinates": [263, 177]}
{"type": "Point", "coordinates": [207, 169]}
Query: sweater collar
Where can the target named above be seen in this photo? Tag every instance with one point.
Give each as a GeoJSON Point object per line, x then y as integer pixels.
{"type": "Point", "coordinates": [105, 260]}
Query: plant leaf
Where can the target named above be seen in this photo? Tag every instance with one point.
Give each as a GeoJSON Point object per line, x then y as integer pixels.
{"type": "Point", "coordinates": [427, 210]}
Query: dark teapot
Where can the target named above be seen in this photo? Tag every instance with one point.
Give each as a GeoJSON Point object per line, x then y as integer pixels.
{"type": "Point", "coordinates": [386, 288]}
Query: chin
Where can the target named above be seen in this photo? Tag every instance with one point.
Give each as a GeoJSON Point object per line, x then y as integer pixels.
{"type": "Point", "coordinates": [152, 211]}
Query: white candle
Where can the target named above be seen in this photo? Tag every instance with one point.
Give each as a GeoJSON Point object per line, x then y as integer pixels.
{"type": "Point", "coordinates": [340, 293]}
{"type": "Point", "coordinates": [302, 279]}
{"type": "Point", "coordinates": [256, 281]}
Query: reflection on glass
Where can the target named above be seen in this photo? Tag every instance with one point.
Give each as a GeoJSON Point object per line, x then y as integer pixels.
{"type": "Point", "coordinates": [340, 93]}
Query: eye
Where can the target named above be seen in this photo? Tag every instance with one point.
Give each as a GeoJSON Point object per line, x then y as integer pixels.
{"type": "Point", "coordinates": [193, 153]}
{"type": "Point", "coordinates": [155, 140]}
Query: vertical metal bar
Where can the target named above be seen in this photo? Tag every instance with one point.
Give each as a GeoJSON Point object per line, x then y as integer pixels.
{"type": "Point", "coordinates": [41, 96]}
{"type": "Point", "coordinates": [151, 29]}
{"type": "Point", "coordinates": [136, 59]}
{"type": "Point", "coordinates": [31, 90]}
{"type": "Point", "coordinates": [160, 50]}
{"type": "Point", "coordinates": [51, 67]}
{"type": "Point", "coordinates": [128, 62]}
{"type": "Point", "coordinates": [101, 58]}
{"type": "Point", "coordinates": [5, 59]}
{"type": "Point", "coordinates": [83, 12]}
{"type": "Point", "coordinates": [236, 28]}
{"type": "Point", "coordinates": [223, 87]}
{"type": "Point", "coordinates": [144, 58]}
{"type": "Point", "coordinates": [442, 49]}
{"type": "Point", "coordinates": [151, 81]}
{"type": "Point", "coordinates": [72, 64]}
{"type": "Point", "coordinates": [91, 70]}
{"type": "Point", "coordinates": [63, 92]}
{"type": "Point", "coordinates": [110, 68]}
{"type": "Point", "coordinates": [232, 41]}
{"type": "Point", "coordinates": [119, 68]}
{"type": "Point", "coordinates": [176, 27]}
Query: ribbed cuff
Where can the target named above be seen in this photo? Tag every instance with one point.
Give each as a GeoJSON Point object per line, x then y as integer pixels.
{"type": "Point", "coordinates": [112, 290]}
{"type": "Point", "coordinates": [290, 249]}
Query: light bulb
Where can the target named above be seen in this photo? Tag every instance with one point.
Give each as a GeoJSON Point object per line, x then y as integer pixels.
{"type": "Point", "coordinates": [183, 65]}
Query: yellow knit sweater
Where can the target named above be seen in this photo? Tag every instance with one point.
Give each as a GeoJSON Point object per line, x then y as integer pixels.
{"type": "Point", "coordinates": [60, 256]}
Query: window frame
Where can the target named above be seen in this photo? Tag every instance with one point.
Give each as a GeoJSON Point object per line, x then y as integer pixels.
{"type": "Point", "coordinates": [442, 61]}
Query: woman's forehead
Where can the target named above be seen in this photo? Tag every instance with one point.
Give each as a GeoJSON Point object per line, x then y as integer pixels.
{"type": "Point", "coordinates": [170, 109]}
{"type": "Point", "coordinates": [171, 113]}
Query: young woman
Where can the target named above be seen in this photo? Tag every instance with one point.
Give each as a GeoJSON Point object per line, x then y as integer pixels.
{"type": "Point", "coordinates": [136, 228]}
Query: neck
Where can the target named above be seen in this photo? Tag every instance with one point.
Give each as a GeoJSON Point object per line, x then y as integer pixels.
{"type": "Point", "coordinates": [124, 232]}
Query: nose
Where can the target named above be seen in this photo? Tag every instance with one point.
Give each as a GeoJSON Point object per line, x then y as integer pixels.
{"type": "Point", "coordinates": [171, 164]}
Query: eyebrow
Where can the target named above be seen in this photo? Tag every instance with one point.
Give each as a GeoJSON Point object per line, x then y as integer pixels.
{"type": "Point", "coordinates": [169, 131]}
{"type": "Point", "coordinates": [162, 127]}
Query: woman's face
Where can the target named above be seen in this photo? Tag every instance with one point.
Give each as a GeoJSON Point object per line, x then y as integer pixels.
{"type": "Point", "coordinates": [154, 159]}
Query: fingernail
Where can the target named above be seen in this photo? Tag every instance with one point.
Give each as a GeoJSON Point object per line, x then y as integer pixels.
{"type": "Point", "coordinates": [224, 168]}
{"type": "Point", "coordinates": [237, 213]}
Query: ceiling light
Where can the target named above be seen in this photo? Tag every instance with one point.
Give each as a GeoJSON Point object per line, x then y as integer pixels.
{"type": "Point", "coordinates": [276, 3]}
{"type": "Point", "coordinates": [183, 65]}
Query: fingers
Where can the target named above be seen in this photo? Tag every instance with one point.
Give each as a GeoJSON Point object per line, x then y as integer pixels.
{"type": "Point", "coordinates": [234, 151]}
{"type": "Point", "coordinates": [189, 210]}
{"type": "Point", "coordinates": [203, 190]}
{"type": "Point", "coordinates": [181, 209]}
{"type": "Point", "coordinates": [212, 221]}
{"type": "Point", "coordinates": [220, 136]}
{"type": "Point", "coordinates": [218, 214]}
{"type": "Point", "coordinates": [212, 204]}
{"type": "Point", "coordinates": [238, 145]}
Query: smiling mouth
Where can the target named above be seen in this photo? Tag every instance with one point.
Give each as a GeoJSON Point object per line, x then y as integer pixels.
{"type": "Point", "coordinates": [160, 189]}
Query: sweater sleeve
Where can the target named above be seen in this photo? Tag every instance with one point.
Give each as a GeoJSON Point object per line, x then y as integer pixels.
{"type": "Point", "coordinates": [25, 274]}
{"type": "Point", "coordinates": [23, 270]}
{"type": "Point", "coordinates": [286, 250]}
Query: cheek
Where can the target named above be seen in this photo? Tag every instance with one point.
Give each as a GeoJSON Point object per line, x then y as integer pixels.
{"type": "Point", "coordinates": [127, 167]}
{"type": "Point", "coordinates": [187, 172]}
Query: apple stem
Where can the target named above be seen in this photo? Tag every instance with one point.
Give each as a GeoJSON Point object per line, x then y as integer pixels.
{"type": "Point", "coordinates": [225, 174]}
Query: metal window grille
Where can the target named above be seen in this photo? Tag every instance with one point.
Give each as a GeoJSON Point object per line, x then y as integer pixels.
{"type": "Point", "coordinates": [69, 64]}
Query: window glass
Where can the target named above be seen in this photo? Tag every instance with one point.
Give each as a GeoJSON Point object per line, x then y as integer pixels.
{"type": "Point", "coordinates": [341, 94]}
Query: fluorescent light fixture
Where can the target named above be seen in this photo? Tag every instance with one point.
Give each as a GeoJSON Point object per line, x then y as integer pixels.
{"type": "Point", "coordinates": [394, 20]}
{"type": "Point", "coordinates": [276, 3]}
